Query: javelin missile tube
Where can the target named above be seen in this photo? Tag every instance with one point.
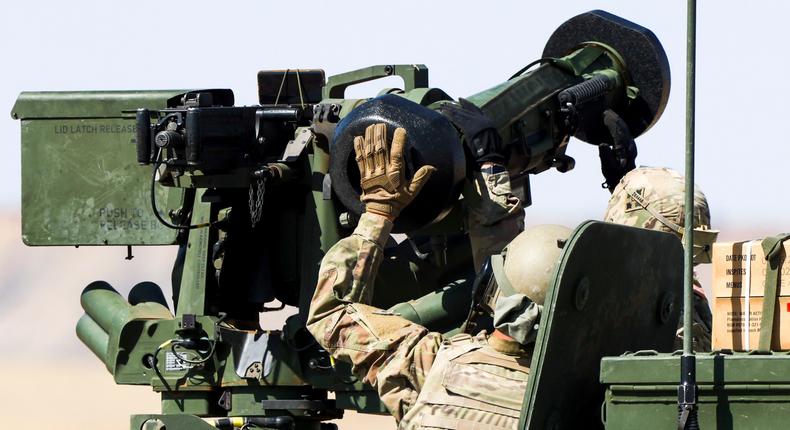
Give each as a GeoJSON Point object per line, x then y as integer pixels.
{"type": "Point", "coordinates": [620, 67]}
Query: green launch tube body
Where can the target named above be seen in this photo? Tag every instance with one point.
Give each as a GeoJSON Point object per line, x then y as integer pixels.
{"type": "Point", "coordinates": [520, 105]}
{"type": "Point", "coordinates": [146, 292]}
{"type": "Point", "coordinates": [110, 311]}
{"type": "Point", "coordinates": [439, 308]}
{"type": "Point", "coordinates": [102, 303]}
{"type": "Point", "coordinates": [107, 314]}
{"type": "Point", "coordinates": [93, 336]}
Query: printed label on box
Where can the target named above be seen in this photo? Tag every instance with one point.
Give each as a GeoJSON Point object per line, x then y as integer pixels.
{"type": "Point", "coordinates": [729, 324]}
{"type": "Point", "coordinates": [736, 263]}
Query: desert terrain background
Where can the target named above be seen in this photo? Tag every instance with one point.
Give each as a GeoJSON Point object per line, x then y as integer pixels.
{"type": "Point", "coordinates": [50, 380]}
{"type": "Point", "coordinates": [47, 373]}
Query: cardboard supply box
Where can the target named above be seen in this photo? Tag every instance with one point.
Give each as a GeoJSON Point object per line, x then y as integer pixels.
{"type": "Point", "coordinates": [739, 271]}
{"type": "Point", "coordinates": [729, 321]}
{"type": "Point", "coordinates": [733, 265]}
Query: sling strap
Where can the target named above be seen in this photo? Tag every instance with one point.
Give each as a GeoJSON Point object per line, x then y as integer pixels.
{"type": "Point", "coordinates": [498, 267]}
{"type": "Point", "coordinates": [773, 248]}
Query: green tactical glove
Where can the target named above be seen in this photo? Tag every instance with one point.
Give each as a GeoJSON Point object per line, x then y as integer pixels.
{"type": "Point", "coordinates": [385, 190]}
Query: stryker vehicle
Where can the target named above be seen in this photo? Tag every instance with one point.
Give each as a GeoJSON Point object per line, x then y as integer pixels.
{"type": "Point", "coordinates": [253, 196]}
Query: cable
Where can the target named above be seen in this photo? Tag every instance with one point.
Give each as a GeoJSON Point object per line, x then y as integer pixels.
{"type": "Point", "coordinates": [158, 162]}
{"type": "Point", "coordinates": [529, 66]}
{"type": "Point", "coordinates": [202, 360]}
{"type": "Point", "coordinates": [155, 361]}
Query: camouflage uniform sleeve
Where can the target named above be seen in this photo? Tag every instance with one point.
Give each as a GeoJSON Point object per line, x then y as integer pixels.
{"type": "Point", "coordinates": [494, 215]}
{"type": "Point", "coordinates": [391, 353]}
{"type": "Point", "coordinates": [701, 327]}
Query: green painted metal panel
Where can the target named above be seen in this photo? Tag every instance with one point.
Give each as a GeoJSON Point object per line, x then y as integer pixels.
{"type": "Point", "coordinates": [592, 311]}
{"type": "Point", "coordinates": [87, 104]}
{"type": "Point", "coordinates": [192, 294]}
{"type": "Point", "coordinates": [413, 75]}
{"type": "Point", "coordinates": [81, 184]}
{"type": "Point", "coordinates": [738, 368]}
{"type": "Point", "coordinates": [171, 422]}
{"type": "Point", "coordinates": [735, 391]}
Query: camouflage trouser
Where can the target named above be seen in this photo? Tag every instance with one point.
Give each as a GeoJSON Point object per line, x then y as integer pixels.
{"type": "Point", "coordinates": [494, 215]}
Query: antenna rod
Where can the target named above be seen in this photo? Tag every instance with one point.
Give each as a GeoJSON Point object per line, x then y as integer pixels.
{"type": "Point", "coordinates": [688, 225]}
{"type": "Point", "coordinates": [687, 390]}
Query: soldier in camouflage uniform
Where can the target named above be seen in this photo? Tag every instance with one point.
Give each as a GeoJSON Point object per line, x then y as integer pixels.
{"type": "Point", "coordinates": [424, 380]}
{"type": "Point", "coordinates": [494, 216]}
{"type": "Point", "coordinates": [653, 198]}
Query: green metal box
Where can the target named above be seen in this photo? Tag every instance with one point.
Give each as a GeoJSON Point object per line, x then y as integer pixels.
{"type": "Point", "coordinates": [81, 184]}
{"type": "Point", "coordinates": [736, 391]}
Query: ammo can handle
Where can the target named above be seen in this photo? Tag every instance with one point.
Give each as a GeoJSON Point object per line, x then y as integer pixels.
{"type": "Point", "coordinates": [413, 75]}
{"type": "Point", "coordinates": [143, 136]}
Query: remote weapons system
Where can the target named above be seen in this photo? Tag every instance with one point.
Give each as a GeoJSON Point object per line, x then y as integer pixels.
{"type": "Point", "coordinates": [253, 196]}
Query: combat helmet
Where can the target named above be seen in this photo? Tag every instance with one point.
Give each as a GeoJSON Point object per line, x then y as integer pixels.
{"type": "Point", "coordinates": [653, 198]}
{"type": "Point", "coordinates": [523, 272]}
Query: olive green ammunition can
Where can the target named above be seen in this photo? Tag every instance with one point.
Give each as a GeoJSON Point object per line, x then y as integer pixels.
{"type": "Point", "coordinates": [735, 391]}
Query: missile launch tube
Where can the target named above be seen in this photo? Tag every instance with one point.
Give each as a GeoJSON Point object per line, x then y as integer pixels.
{"type": "Point", "coordinates": [103, 304]}
{"type": "Point", "coordinates": [439, 309]}
{"type": "Point", "coordinates": [93, 336]}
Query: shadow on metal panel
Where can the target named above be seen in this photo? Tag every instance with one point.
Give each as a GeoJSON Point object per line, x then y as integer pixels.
{"type": "Point", "coordinates": [616, 289]}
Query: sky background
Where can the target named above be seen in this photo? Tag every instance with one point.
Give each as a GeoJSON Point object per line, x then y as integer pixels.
{"type": "Point", "coordinates": [468, 46]}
